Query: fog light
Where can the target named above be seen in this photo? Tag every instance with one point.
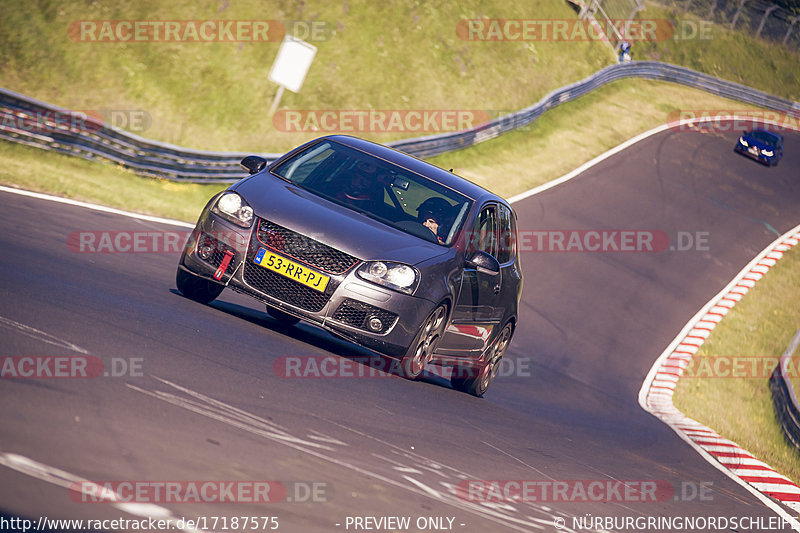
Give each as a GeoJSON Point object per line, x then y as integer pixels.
{"type": "Point", "coordinates": [205, 251]}
{"type": "Point", "coordinates": [375, 323]}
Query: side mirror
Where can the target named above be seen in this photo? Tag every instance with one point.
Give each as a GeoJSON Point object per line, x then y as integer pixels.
{"type": "Point", "coordinates": [484, 263]}
{"type": "Point", "coordinates": [253, 164]}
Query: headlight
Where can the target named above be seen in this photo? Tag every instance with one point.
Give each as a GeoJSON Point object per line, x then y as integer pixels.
{"type": "Point", "coordinates": [768, 153]}
{"type": "Point", "coordinates": [743, 142]}
{"type": "Point", "coordinates": [232, 207]}
{"type": "Point", "coordinates": [396, 276]}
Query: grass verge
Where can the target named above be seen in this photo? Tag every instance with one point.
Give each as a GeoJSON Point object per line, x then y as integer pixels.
{"type": "Point", "coordinates": [71, 177]}
{"type": "Point", "coordinates": [740, 409]}
{"type": "Point", "coordinates": [562, 139]}
{"type": "Point", "coordinates": [717, 50]}
{"type": "Point", "coordinates": [389, 55]}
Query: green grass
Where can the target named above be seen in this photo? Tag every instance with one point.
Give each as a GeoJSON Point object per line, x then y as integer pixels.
{"type": "Point", "coordinates": [731, 55]}
{"type": "Point", "coordinates": [510, 164]}
{"type": "Point", "coordinates": [79, 179]}
{"type": "Point", "coordinates": [761, 325]}
{"type": "Point", "coordinates": [393, 54]}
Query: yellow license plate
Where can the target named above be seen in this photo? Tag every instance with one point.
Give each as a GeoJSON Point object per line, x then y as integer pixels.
{"type": "Point", "coordinates": [291, 270]}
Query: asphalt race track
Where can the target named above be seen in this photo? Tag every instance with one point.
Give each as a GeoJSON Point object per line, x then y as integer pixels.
{"type": "Point", "coordinates": [204, 402]}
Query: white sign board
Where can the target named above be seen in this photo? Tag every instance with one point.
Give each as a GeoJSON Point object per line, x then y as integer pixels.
{"type": "Point", "coordinates": [291, 66]}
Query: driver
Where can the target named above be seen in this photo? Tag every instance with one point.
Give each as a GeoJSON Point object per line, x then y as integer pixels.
{"type": "Point", "coordinates": [432, 213]}
{"type": "Point", "coordinates": [360, 189]}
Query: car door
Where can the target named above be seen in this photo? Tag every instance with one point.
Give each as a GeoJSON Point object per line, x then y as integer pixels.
{"type": "Point", "coordinates": [510, 269]}
{"type": "Point", "coordinates": [477, 310]}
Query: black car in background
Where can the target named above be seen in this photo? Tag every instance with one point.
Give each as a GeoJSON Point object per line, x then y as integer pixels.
{"type": "Point", "coordinates": [373, 245]}
{"type": "Point", "coordinates": [761, 145]}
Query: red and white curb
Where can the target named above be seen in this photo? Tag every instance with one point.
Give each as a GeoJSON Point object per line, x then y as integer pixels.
{"type": "Point", "coordinates": [658, 388]}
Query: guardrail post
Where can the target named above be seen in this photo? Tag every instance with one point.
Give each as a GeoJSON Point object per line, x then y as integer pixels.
{"type": "Point", "coordinates": [738, 12]}
{"type": "Point", "coordinates": [789, 31]}
{"type": "Point", "coordinates": [710, 15]}
{"type": "Point", "coordinates": [764, 19]}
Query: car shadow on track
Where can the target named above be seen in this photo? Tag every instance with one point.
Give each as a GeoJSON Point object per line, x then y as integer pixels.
{"type": "Point", "coordinates": [371, 361]}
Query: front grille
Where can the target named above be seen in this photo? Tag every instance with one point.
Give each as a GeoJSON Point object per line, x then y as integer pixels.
{"type": "Point", "coordinates": [357, 314]}
{"type": "Point", "coordinates": [283, 288]}
{"type": "Point", "coordinates": [305, 249]}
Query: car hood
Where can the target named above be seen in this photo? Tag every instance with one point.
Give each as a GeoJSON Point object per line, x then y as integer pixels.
{"type": "Point", "coordinates": [752, 141]}
{"type": "Point", "coordinates": [349, 231]}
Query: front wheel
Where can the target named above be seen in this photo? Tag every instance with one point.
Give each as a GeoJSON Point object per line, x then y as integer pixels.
{"type": "Point", "coordinates": [477, 381]}
{"type": "Point", "coordinates": [421, 350]}
{"type": "Point", "coordinates": [198, 289]}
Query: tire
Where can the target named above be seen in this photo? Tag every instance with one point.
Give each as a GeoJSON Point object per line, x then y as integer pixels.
{"type": "Point", "coordinates": [284, 318]}
{"type": "Point", "coordinates": [477, 380]}
{"type": "Point", "coordinates": [423, 347]}
{"type": "Point", "coordinates": [198, 289]}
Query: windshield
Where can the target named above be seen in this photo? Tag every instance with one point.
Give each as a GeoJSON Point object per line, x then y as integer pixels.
{"type": "Point", "coordinates": [764, 137]}
{"type": "Point", "coordinates": [380, 190]}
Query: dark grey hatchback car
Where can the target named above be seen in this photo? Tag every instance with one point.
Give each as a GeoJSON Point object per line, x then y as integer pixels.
{"type": "Point", "coordinates": [373, 245]}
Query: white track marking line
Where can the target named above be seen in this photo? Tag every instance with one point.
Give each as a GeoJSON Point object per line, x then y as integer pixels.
{"type": "Point", "coordinates": [40, 335]}
{"type": "Point", "coordinates": [94, 207]}
{"type": "Point", "coordinates": [62, 478]}
{"type": "Point", "coordinates": [235, 417]}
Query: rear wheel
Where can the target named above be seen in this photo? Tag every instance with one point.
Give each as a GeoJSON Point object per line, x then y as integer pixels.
{"type": "Point", "coordinates": [422, 349]}
{"type": "Point", "coordinates": [477, 380]}
{"type": "Point", "coordinates": [282, 317]}
{"type": "Point", "coordinates": [198, 289]}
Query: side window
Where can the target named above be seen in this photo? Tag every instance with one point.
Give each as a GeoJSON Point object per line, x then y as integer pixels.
{"type": "Point", "coordinates": [508, 241]}
{"type": "Point", "coordinates": [484, 235]}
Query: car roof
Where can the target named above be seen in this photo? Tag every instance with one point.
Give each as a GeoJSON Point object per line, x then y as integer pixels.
{"type": "Point", "coordinates": [409, 162]}
{"type": "Point", "coordinates": [756, 131]}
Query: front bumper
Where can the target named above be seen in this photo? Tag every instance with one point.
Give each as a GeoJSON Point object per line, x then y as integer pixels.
{"type": "Point", "coordinates": [346, 308]}
{"type": "Point", "coordinates": [758, 156]}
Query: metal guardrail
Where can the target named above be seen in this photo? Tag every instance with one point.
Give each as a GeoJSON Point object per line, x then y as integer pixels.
{"type": "Point", "coordinates": [761, 19]}
{"type": "Point", "coordinates": [98, 141]}
{"type": "Point", "coordinates": [783, 396]}
{"type": "Point", "coordinates": [32, 122]}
